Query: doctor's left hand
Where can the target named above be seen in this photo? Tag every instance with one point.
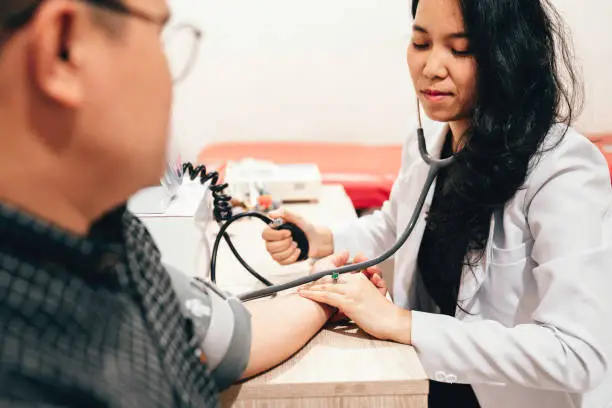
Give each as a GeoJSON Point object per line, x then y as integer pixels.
{"type": "Point", "coordinates": [358, 298]}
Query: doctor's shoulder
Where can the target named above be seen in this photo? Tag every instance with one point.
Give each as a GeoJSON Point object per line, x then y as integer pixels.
{"type": "Point", "coordinates": [570, 156]}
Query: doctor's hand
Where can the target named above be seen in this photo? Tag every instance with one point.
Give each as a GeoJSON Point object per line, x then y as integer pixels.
{"type": "Point", "coordinates": [355, 296]}
{"type": "Point", "coordinates": [374, 274]}
{"type": "Point", "coordinates": [330, 262]}
{"type": "Point", "coordinates": [284, 250]}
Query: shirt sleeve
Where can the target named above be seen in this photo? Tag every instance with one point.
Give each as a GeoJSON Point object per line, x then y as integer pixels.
{"type": "Point", "coordinates": [221, 326]}
{"type": "Point", "coordinates": [20, 391]}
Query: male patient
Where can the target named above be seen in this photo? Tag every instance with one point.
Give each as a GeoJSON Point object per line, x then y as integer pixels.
{"type": "Point", "coordinates": [89, 317]}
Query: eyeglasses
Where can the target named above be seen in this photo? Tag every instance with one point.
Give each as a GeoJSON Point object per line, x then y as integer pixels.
{"type": "Point", "coordinates": [181, 42]}
{"type": "Point", "coordinates": [181, 46]}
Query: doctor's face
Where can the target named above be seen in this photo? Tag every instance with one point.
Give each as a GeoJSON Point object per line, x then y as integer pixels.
{"type": "Point", "coordinates": [442, 68]}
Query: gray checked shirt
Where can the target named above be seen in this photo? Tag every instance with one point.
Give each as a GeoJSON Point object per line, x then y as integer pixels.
{"type": "Point", "coordinates": [98, 321]}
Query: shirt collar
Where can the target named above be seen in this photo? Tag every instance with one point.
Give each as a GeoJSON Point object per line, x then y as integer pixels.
{"type": "Point", "coordinates": [31, 237]}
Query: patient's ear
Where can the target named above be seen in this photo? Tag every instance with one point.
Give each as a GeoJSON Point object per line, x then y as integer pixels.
{"type": "Point", "coordinates": [51, 52]}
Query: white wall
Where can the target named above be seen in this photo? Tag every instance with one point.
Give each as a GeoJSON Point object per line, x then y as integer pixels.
{"type": "Point", "coordinates": [591, 25]}
{"type": "Point", "coordinates": [332, 70]}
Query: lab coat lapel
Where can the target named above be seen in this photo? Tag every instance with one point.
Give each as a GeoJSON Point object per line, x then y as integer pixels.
{"type": "Point", "coordinates": [413, 185]}
{"type": "Point", "coordinates": [473, 278]}
{"type": "Point", "coordinates": [416, 176]}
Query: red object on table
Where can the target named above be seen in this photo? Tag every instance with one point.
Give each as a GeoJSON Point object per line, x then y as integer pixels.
{"type": "Point", "coordinates": [366, 172]}
{"type": "Point", "coordinates": [264, 201]}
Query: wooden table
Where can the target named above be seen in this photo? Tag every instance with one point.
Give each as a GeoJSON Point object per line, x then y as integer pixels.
{"type": "Point", "coordinates": [342, 366]}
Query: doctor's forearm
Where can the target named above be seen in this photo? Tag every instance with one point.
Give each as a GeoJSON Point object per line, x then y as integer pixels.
{"type": "Point", "coordinates": [280, 327]}
{"type": "Point", "coordinates": [529, 355]}
{"type": "Point", "coordinates": [400, 326]}
{"type": "Point", "coordinates": [325, 242]}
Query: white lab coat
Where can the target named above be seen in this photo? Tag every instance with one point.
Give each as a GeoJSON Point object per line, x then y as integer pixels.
{"type": "Point", "coordinates": [539, 329]}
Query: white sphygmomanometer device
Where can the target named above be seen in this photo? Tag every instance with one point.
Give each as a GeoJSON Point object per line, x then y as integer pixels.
{"type": "Point", "coordinates": [298, 182]}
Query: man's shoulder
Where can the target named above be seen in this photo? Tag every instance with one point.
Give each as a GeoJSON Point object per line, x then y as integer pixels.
{"type": "Point", "coordinates": [49, 352]}
{"type": "Point", "coordinates": [130, 220]}
{"type": "Point", "coordinates": [36, 297]}
{"type": "Point", "coordinates": [137, 234]}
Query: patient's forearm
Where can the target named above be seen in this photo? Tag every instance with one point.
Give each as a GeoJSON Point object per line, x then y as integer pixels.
{"type": "Point", "coordinates": [280, 327]}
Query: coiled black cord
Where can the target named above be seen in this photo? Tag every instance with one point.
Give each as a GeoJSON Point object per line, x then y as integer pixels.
{"type": "Point", "coordinates": [221, 201]}
{"type": "Point", "coordinates": [222, 211]}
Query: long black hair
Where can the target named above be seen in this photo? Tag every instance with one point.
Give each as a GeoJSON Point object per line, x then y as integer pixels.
{"type": "Point", "coordinates": [525, 84]}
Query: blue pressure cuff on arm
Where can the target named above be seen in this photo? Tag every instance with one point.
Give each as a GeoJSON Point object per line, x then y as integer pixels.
{"type": "Point", "coordinates": [221, 327]}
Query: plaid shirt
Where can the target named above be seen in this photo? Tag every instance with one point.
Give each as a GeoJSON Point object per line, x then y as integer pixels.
{"type": "Point", "coordinates": [92, 321]}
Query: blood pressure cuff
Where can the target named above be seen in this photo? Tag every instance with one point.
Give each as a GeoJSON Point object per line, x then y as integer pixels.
{"type": "Point", "coordinates": [221, 326]}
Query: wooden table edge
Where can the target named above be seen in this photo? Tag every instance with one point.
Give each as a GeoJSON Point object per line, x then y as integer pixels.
{"type": "Point", "coordinates": [321, 390]}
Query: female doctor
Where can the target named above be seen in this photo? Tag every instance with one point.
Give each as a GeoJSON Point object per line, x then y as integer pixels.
{"type": "Point", "coordinates": [504, 286]}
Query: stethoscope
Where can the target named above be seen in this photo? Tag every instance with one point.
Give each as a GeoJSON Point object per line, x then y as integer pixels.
{"type": "Point", "coordinates": [435, 165]}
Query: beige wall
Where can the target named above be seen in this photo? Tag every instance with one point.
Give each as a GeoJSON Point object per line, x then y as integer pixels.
{"type": "Point", "coordinates": [333, 70]}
